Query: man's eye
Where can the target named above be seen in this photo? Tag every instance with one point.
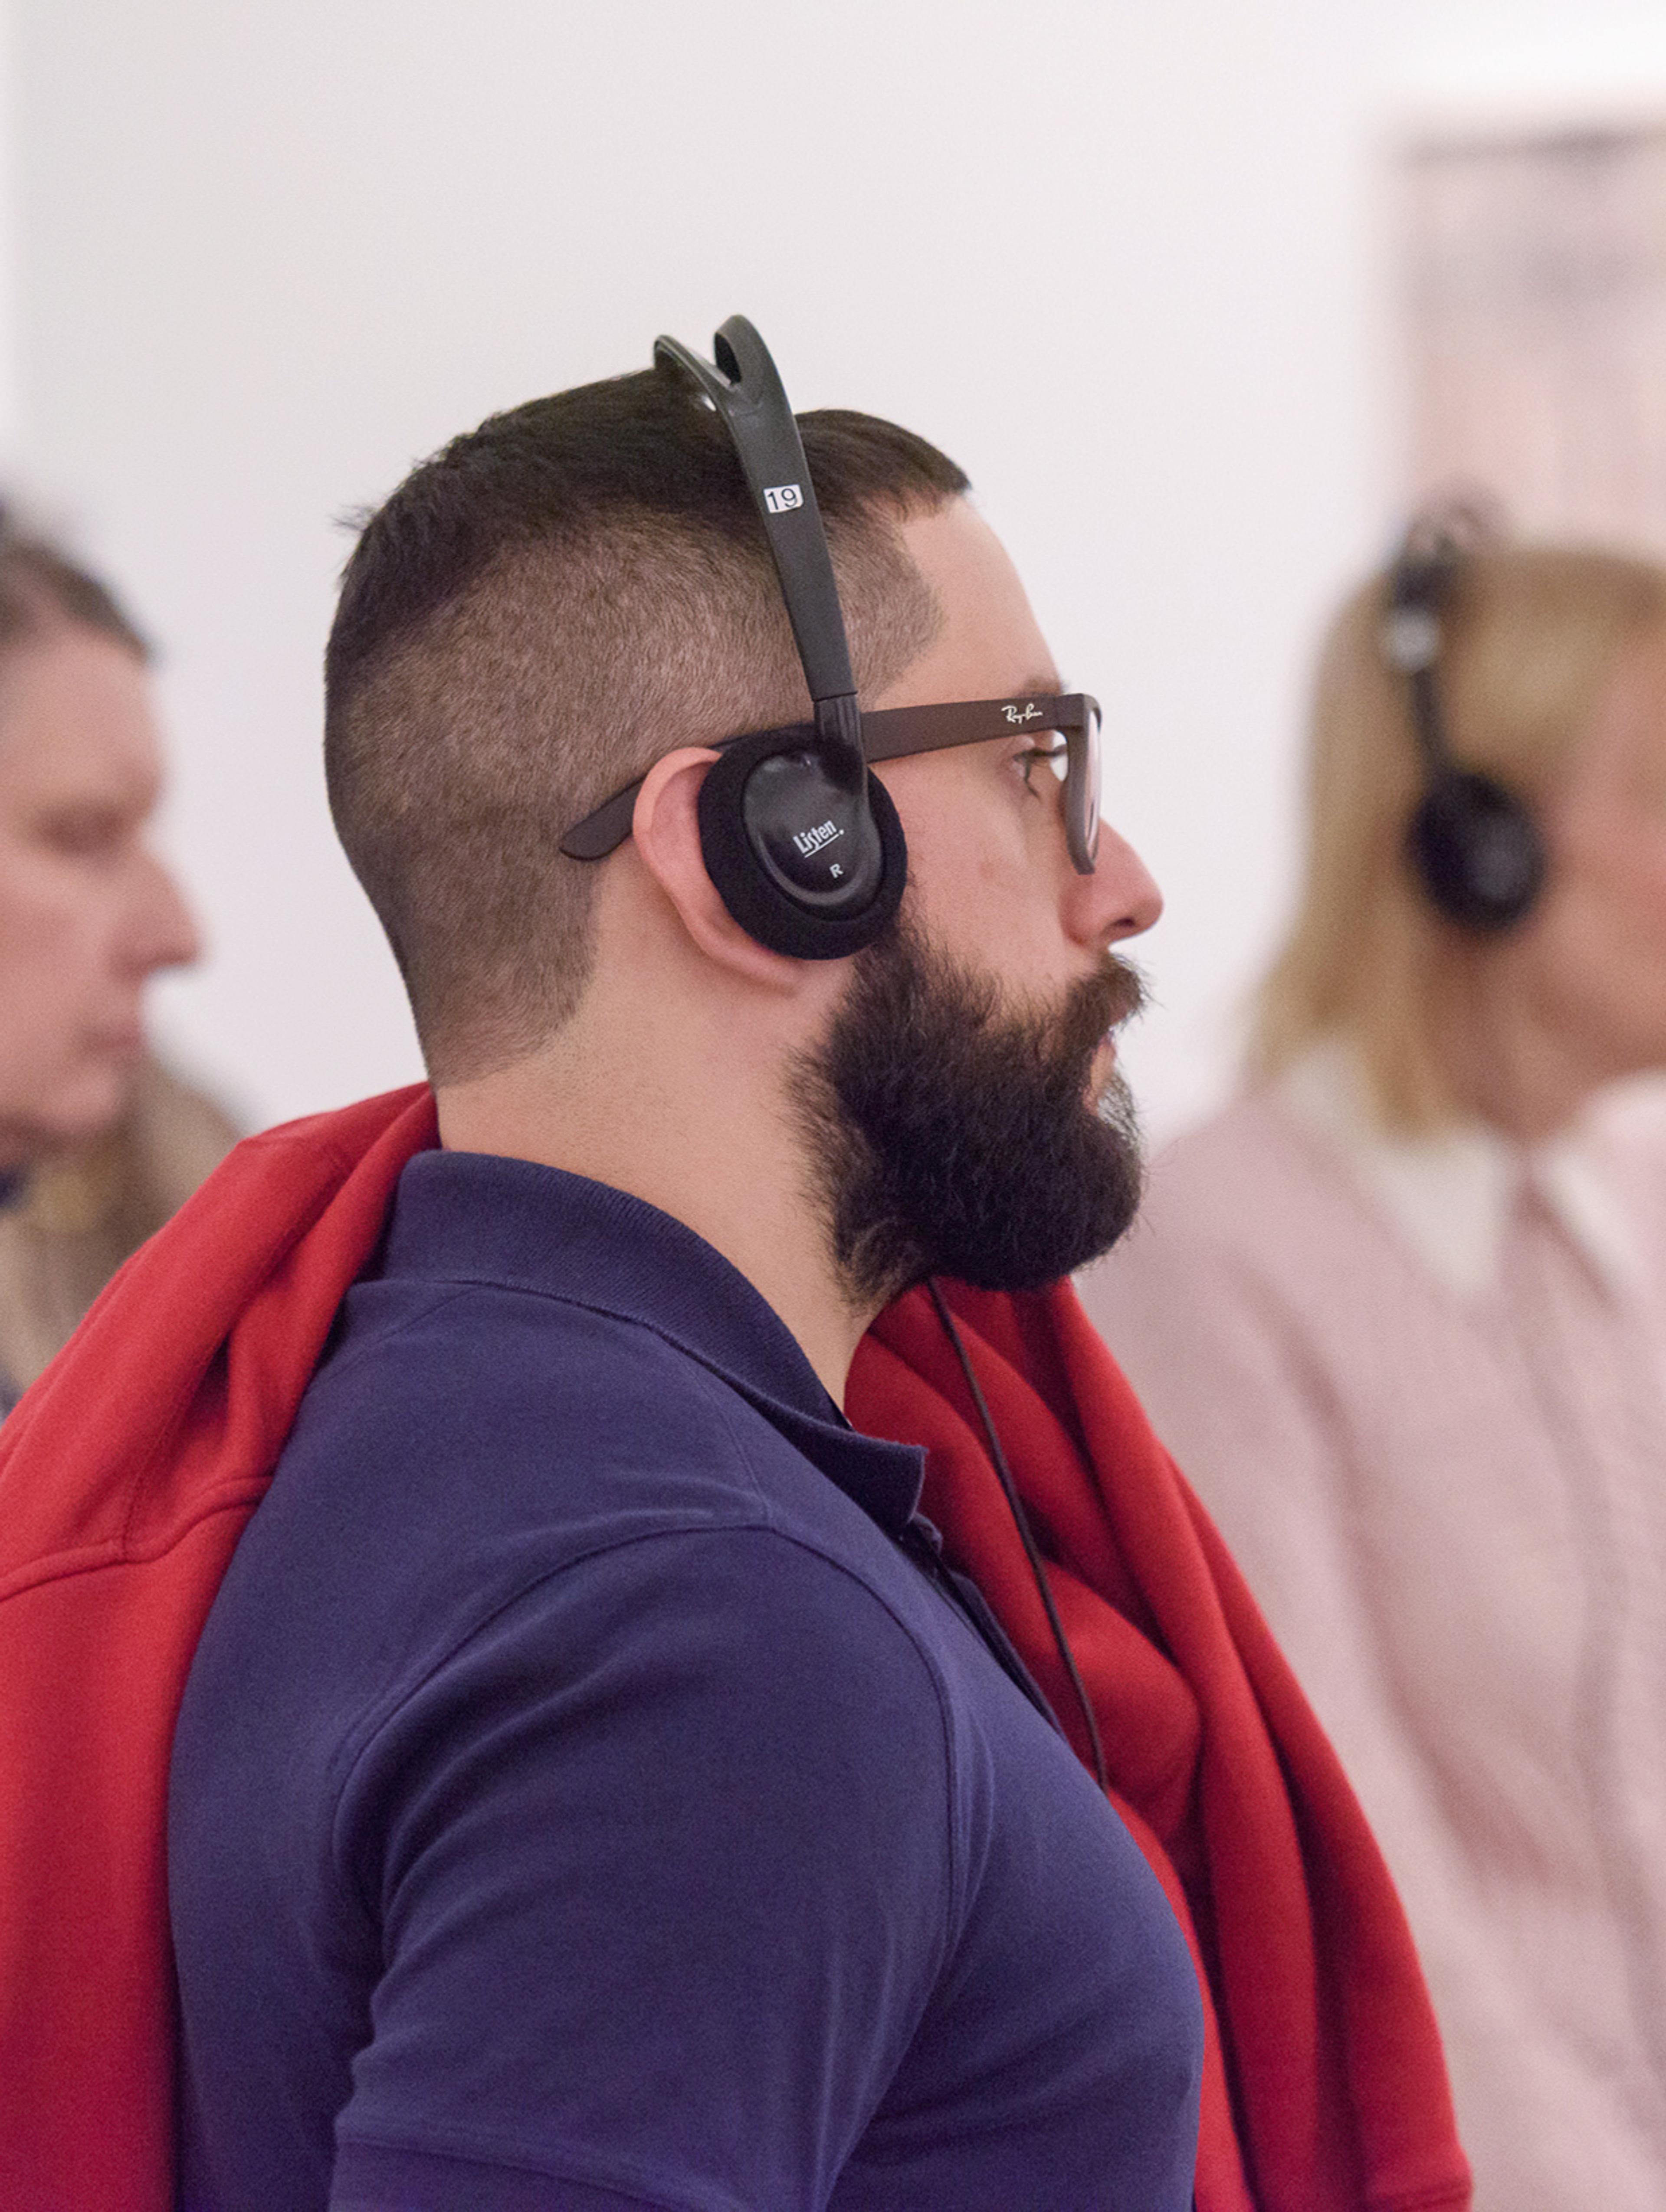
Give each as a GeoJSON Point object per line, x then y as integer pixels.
{"type": "Point", "coordinates": [84, 833]}
{"type": "Point", "coordinates": [1055, 756]}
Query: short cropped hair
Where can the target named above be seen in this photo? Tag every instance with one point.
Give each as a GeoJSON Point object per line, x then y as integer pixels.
{"type": "Point", "coordinates": [539, 612]}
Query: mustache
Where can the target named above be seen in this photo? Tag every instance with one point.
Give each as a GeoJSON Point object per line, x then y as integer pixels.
{"type": "Point", "coordinates": [1093, 1007]}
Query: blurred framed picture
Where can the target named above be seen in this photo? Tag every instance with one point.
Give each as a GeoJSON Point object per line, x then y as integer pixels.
{"type": "Point", "coordinates": [1535, 275]}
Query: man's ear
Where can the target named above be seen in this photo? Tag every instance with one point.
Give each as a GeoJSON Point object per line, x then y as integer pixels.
{"type": "Point", "coordinates": [666, 830]}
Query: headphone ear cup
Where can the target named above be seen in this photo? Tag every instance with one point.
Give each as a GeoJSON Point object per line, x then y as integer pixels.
{"type": "Point", "coordinates": [1477, 851]}
{"type": "Point", "coordinates": [805, 865]}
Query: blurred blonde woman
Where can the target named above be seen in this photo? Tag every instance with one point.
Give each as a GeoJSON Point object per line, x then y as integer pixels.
{"type": "Point", "coordinates": [1401, 1313]}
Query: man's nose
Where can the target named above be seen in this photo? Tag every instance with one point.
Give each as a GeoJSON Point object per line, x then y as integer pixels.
{"type": "Point", "coordinates": [162, 931]}
{"type": "Point", "coordinates": [1119, 899]}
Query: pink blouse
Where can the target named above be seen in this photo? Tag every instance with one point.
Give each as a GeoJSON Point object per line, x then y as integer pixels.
{"type": "Point", "coordinates": [1422, 1387]}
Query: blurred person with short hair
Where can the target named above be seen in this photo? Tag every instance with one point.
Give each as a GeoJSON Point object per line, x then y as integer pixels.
{"type": "Point", "coordinates": [1400, 1311]}
{"type": "Point", "coordinates": [98, 1144]}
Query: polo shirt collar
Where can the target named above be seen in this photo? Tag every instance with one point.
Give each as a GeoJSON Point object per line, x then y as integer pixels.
{"type": "Point", "coordinates": [515, 1224]}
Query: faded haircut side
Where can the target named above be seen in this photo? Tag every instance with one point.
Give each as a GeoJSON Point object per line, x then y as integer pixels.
{"type": "Point", "coordinates": [535, 615]}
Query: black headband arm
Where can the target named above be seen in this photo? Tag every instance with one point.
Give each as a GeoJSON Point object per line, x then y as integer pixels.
{"type": "Point", "coordinates": [745, 388]}
{"type": "Point", "coordinates": [1427, 721]}
{"type": "Point", "coordinates": [1419, 586]}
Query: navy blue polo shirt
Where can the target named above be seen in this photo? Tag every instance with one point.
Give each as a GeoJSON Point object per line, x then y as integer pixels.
{"type": "Point", "coordinates": [585, 1797]}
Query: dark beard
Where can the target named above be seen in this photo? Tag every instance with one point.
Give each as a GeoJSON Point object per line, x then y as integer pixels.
{"type": "Point", "coordinates": [952, 1136]}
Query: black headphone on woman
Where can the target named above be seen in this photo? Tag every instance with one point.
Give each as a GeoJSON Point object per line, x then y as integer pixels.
{"type": "Point", "coordinates": [1473, 843]}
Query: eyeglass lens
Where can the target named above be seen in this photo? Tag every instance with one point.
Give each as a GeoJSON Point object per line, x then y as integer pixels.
{"type": "Point", "coordinates": [1078, 765]}
{"type": "Point", "coordinates": [1093, 769]}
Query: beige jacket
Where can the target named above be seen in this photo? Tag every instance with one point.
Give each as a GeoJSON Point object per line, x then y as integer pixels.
{"type": "Point", "coordinates": [79, 1216]}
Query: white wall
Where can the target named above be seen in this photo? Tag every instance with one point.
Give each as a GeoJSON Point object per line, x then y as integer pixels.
{"type": "Point", "coordinates": [1122, 259]}
{"type": "Point", "coordinates": [1525, 58]}
{"type": "Point", "coordinates": [10, 397]}
{"type": "Point", "coordinates": [1105, 252]}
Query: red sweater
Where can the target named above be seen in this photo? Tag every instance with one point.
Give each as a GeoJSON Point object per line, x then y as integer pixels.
{"type": "Point", "coordinates": [129, 1469]}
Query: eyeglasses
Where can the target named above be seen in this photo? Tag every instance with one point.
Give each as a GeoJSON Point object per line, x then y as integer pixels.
{"type": "Point", "coordinates": [894, 733]}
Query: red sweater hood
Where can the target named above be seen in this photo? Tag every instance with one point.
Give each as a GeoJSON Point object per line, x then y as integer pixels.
{"type": "Point", "coordinates": [129, 1470]}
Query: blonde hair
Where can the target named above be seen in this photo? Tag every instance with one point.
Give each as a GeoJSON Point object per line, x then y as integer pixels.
{"type": "Point", "coordinates": [80, 1213]}
{"type": "Point", "coordinates": [1528, 637]}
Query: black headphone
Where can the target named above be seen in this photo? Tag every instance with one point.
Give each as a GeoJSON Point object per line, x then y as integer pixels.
{"type": "Point", "coordinates": [804, 846]}
{"type": "Point", "coordinates": [1472, 841]}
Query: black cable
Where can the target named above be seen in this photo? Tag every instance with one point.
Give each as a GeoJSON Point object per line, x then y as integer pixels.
{"type": "Point", "coordinates": [1021, 1519]}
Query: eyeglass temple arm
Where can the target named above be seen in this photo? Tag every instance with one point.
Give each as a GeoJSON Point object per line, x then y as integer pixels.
{"type": "Point", "coordinates": [892, 733]}
{"type": "Point", "coordinates": [745, 388]}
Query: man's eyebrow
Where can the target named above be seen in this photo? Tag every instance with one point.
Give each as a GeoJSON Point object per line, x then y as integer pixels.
{"type": "Point", "coordinates": [1042, 687]}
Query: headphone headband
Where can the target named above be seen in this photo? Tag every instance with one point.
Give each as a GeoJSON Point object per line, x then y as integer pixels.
{"type": "Point", "coordinates": [1419, 583]}
{"type": "Point", "coordinates": [1473, 842]}
{"type": "Point", "coordinates": [804, 846]}
{"type": "Point", "coordinates": [745, 386]}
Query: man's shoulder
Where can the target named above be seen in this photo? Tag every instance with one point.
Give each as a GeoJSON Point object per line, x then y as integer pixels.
{"type": "Point", "coordinates": [460, 1413]}
{"type": "Point", "coordinates": [491, 1353]}
{"type": "Point", "coordinates": [490, 1491]}
{"type": "Point", "coordinates": [475, 1465]}
{"type": "Point", "coordinates": [464, 1440]}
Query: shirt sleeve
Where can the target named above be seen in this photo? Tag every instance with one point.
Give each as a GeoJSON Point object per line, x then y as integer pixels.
{"type": "Point", "coordinates": [663, 1862]}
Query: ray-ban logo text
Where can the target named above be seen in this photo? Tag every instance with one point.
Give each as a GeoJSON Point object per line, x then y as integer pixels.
{"type": "Point", "coordinates": [1030, 714]}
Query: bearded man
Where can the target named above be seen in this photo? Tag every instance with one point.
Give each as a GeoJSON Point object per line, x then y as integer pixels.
{"type": "Point", "coordinates": [595, 1785]}
{"type": "Point", "coordinates": [584, 1774]}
